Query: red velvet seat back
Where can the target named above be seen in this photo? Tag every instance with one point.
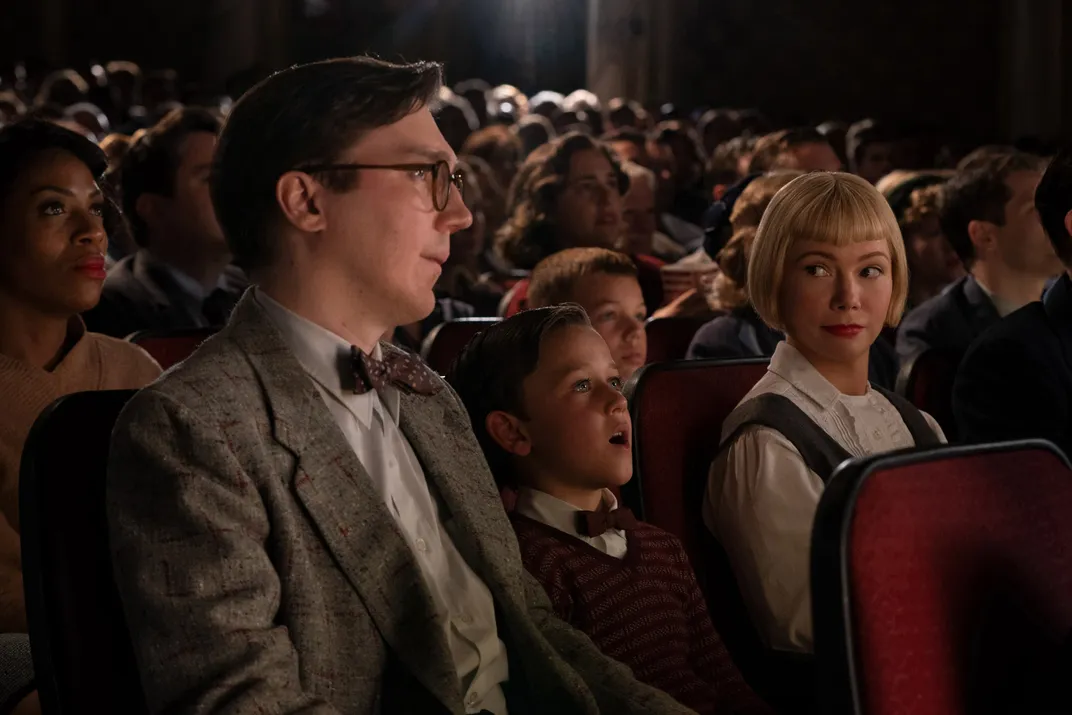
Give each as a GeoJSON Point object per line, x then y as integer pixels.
{"type": "Point", "coordinates": [669, 338]}
{"type": "Point", "coordinates": [937, 578]}
{"type": "Point", "coordinates": [448, 339]}
{"type": "Point", "coordinates": [171, 347]}
{"type": "Point", "coordinates": [927, 382]}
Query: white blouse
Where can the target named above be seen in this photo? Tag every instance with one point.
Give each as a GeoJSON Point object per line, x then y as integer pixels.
{"type": "Point", "coordinates": [761, 498]}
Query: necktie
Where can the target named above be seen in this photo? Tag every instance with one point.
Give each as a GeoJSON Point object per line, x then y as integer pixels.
{"type": "Point", "coordinates": [596, 523]}
{"type": "Point", "coordinates": [399, 369]}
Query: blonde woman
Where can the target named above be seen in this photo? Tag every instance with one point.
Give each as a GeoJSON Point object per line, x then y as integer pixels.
{"type": "Point", "coordinates": [828, 269]}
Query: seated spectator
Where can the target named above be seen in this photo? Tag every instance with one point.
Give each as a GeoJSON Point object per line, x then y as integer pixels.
{"type": "Point", "coordinates": [828, 268]}
{"type": "Point", "coordinates": [587, 108]}
{"type": "Point", "coordinates": [179, 277]}
{"type": "Point", "coordinates": [988, 215]}
{"type": "Point", "coordinates": [641, 236]}
{"type": "Point", "coordinates": [455, 118]}
{"type": "Point", "coordinates": [569, 195]}
{"type": "Point", "coordinates": [716, 127]}
{"type": "Point", "coordinates": [625, 113]}
{"type": "Point", "coordinates": [476, 92]}
{"type": "Point", "coordinates": [684, 198]}
{"type": "Point", "coordinates": [506, 105]}
{"type": "Point", "coordinates": [630, 145]}
{"type": "Point", "coordinates": [53, 219]}
{"type": "Point", "coordinates": [932, 262]}
{"type": "Point", "coordinates": [547, 104]}
{"type": "Point", "coordinates": [836, 132]}
{"type": "Point", "coordinates": [62, 88]}
{"type": "Point", "coordinates": [11, 107]}
{"type": "Point", "coordinates": [804, 149]}
{"type": "Point", "coordinates": [499, 147]}
{"type": "Point", "coordinates": [544, 397]}
{"type": "Point", "coordinates": [739, 332]}
{"type": "Point", "coordinates": [871, 147]}
{"type": "Point", "coordinates": [1016, 380]}
{"type": "Point", "coordinates": [534, 131]}
{"type": "Point", "coordinates": [604, 283]}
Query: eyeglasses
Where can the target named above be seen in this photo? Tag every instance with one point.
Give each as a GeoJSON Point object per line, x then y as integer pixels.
{"type": "Point", "coordinates": [442, 176]}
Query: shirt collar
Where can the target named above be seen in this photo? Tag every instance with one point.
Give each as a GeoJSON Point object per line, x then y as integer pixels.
{"type": "Point", "coordinates": [325, 356]}
{"type": "Point", "coordinates": [1001, 305]}
{"type": "Point", "coordinates": [186, 283]}
{"type": "Point", "coordinates": [544, 508]}
{"type": "Point", "coordinates": [789, 364]}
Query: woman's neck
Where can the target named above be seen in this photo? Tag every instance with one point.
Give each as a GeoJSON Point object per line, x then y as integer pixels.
{"type": "Point", "coordinates": [31, 337]}
{"type": "Point", "coordinates": [849, 378]}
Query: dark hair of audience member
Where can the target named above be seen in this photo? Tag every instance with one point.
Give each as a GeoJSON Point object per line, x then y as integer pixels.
{"type": "Point", "coordinates": [534, 131]}
{"type": "Point", "coordinates": [770, 149]}
{"type": "Point", "coordinates": [313, 126]}
{"type": "Point", "coordinates": [625, 113]}
{"type": "Point", "coordinates": [980, 194]}
{"type": "Point", "coordinates": [150, 164]}
{"type": "Point", "coordinates": [1053, 201]}
{"type": "Point", "coordinates": [529, 235]}
{"type": "Point", "coordinates": [983, 155]}
{"type": "Point", "coordinates": [62, 88]}
{"type": "Point", "coordinates": [499, 146]}
{"type": "Point", "coordinates": [716, 127]}
{"type": "Point", "coordinates": [556, 277]}
{"type": "Point", "coordinates": [489, 373]}
{"type": "Point", "coordinates": [455, 118]}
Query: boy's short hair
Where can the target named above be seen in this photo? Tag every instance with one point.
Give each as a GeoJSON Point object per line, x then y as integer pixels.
{"type": "Point", "coordinates": [555, 278]}
{"type": "Point", "coordinates": [1053, 201]}
{"type": "Point", "coordinates": [489, 372]}
{"type": "Point", "coordinates": [980, 194]}
{"type": "Point", "coordinates": [829, 207]}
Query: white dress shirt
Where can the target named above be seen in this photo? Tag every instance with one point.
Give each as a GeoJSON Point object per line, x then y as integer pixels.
{"type": "Point", "coordinates": [761, 498]}
{"type": "Point", "coordinates": [546, 509]}
{"type": "Point", "coordinates": [369, 422]}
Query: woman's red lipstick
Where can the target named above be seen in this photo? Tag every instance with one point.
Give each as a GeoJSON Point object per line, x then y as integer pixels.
{"type": "Point", "coordinates": [93, 266]}
{"type": "Point", "coordinates": [844, 331]}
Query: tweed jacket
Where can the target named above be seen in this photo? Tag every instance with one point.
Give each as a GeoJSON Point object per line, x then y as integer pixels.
{"type": "Point", "coordinates": [261, 572]}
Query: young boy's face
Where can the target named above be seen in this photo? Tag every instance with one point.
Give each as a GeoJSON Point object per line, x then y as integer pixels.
{"type": "Point", "coordinates": [616, 308]}
{"type": "Point", "coordinates": [578, 431]}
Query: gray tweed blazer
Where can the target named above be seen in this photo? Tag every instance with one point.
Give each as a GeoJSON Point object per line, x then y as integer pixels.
{"type": "Point", "coordinates": [261, 573]}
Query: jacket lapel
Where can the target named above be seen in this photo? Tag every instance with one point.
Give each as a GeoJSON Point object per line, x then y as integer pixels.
{"type": "Point", "coordinates": [341, 499]}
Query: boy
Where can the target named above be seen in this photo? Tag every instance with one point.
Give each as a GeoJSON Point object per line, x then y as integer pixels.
{"type": "Point", "coordinates": [605, 284]}
{"type": "Point", "coordinates": [544, 396]}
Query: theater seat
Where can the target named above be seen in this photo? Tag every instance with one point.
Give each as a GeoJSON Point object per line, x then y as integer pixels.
{"type": "Point", "coordinates": [669, 338]}
{"type": "Point", "coordinates": [678, 409]}
{"type": "Point", "coordinates": [447, 340]}
{"type": "Point", "coordinates": [942, 582]}
{"type": "Point", "coordinates": [82, 656]}
{"type": "Point", "coordinates": [927, 382]}
{"type": "Point", "coordinates": [169, 347]}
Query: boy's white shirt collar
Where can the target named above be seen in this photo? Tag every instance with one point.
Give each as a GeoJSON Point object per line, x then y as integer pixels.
{"type": "Point", "coordinates": [551, 511]}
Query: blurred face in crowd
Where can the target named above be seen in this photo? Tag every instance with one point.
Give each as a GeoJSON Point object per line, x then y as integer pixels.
{"type": "Point", "coordinates": [834, 299]}
{"type": "Point", "coordinates": [185, 220]}
{"type": "Point", "coordinates": [616, 308]}
{"type": "Point", "coordinates": [469, 243]}
{"type": "Point", "coordinates": [876, 160]}
{"type": "Point", "coordinates": [588, 212]}
{"type": "Point", "coordinates": [1021, 244]}
{"type": "Point", "coordinates": [640, 219]}
{"type": "Point", "coordinates": [932, 262]}
{"type": "Point", "coordinates": [52, 228]}
{"type": "Point", "coordinates": [815, 156]}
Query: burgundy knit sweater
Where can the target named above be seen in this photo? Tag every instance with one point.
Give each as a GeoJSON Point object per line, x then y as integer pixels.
{"type": "Point", "coordinates": [644, 610]}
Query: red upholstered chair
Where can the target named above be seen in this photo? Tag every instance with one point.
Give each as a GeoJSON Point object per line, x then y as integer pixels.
{"type": "Point", "coordinates": [942, 580]}
{"type": "Point", "coordinates": [669, 338]}
{"type": "Point", "coordinates": [169, 347]}
{"type": "Point", "coordinates": [927, 382]}
{"type": "Point", "coordinates": [446, 340]}
{"type": "Point", "coordinates": [83, 660]}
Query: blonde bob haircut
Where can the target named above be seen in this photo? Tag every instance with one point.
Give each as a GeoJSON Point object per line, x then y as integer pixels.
{"type": "Point", "coordinates": [828, 207]}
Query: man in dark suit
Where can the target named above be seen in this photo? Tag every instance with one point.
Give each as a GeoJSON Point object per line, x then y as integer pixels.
{"type": "Point", "coordinates": [301, 517]}
{"type": "Point", "coordinates": [179, 277]}
{"type": "Point", "coordinates": [988, 216]}
{"type": "Point", "coordinates": [1016, 381]}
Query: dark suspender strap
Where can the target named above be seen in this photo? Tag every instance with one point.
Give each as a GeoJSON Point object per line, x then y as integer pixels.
{"type": "Point", "coordinates": [821, 453]}
{"type": "Point", "coordinates": [922, 433]}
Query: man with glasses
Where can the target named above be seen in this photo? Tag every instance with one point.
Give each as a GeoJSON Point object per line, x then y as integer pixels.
{"type": "Point", "coordinates": [301, 518]}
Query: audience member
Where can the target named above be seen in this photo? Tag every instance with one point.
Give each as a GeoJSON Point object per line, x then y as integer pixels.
{"type": "Point", "coordinates": [803, 149]}
{"type": "Point", "coordinates": [475, 91]}
{"type": "Point", "coordinates": [641, 235]}
{"type": "Point", "coordinates": [828, 268]}
{"type": "Point", "coordinates": [716, 127]}
{"type": "Point", "coordinates": [625, 113]}
{"type": "Point", "coordinates": [988, 215]}
{"type": "Point", "coordinates": [932, 262]}
{"type": "Point", "coordinates": [587, 108]}
{"type": "Point", "coordinates": [547, 104]}
{"type": "Point", "coordinates": [500, 147]}
{"type": "Point", "coordinates": [545, 399]}
{"type": "Point", "coordinates": [836, 133]}
{"type": "Point", "coordinates": [603, 283]}
{"type": "Point", "coordinates": [11, 106]}
{"type": "Point", "coordinates": [1016, 380]}
{"type": "Point", "coordinates": [631, 145]}
{"type": "Point", "coordinates": [534, 131]}
{"type": "Point", "coordinates": [62, 88]}
{"type": "Point", "coordinates": [683, 195]}
{"type": "Point", "coordinates": [506, 105]}
{"type": "Point", "coordinates": [288, 473]}
{"type": "Point", "coordinates": [455, 118]}
{"type": "Point", "coordinates": [53, 226]}
{"type": "Point", "coordinates": [179, 276]}
{"type": "Point", "coordinates": [871, 147]}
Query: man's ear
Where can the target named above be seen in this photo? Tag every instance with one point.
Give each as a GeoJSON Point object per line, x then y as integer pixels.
{"type": "Point", "coordinates": [508, 432]}
{"type": "Point", "coordinates": [1068, 223]}
{"type": "Point", "coordinates": [982, 235]}
{"type": "Point", "coordinates": [300, 197]}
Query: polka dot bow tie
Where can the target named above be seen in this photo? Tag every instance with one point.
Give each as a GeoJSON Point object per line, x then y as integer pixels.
{"type": "Point", "coordinates": [596, 523]}
{"type": "Point", "coordinates": [398, 369]}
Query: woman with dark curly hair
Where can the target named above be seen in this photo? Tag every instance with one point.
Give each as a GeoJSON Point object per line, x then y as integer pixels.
{"type": "Point", "coordinates": [568, 194]}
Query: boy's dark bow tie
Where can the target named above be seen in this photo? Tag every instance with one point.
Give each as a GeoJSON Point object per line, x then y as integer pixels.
{"type": "Point", "coordinates": [596, 523]}
{"type": "Point", "coordinates": [397, 368]}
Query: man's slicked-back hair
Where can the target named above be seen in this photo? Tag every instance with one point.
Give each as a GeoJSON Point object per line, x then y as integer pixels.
{"type": "Point", "coordinates": [307, 114]}
{"type": "Point", "coordinates": [489, 372]}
